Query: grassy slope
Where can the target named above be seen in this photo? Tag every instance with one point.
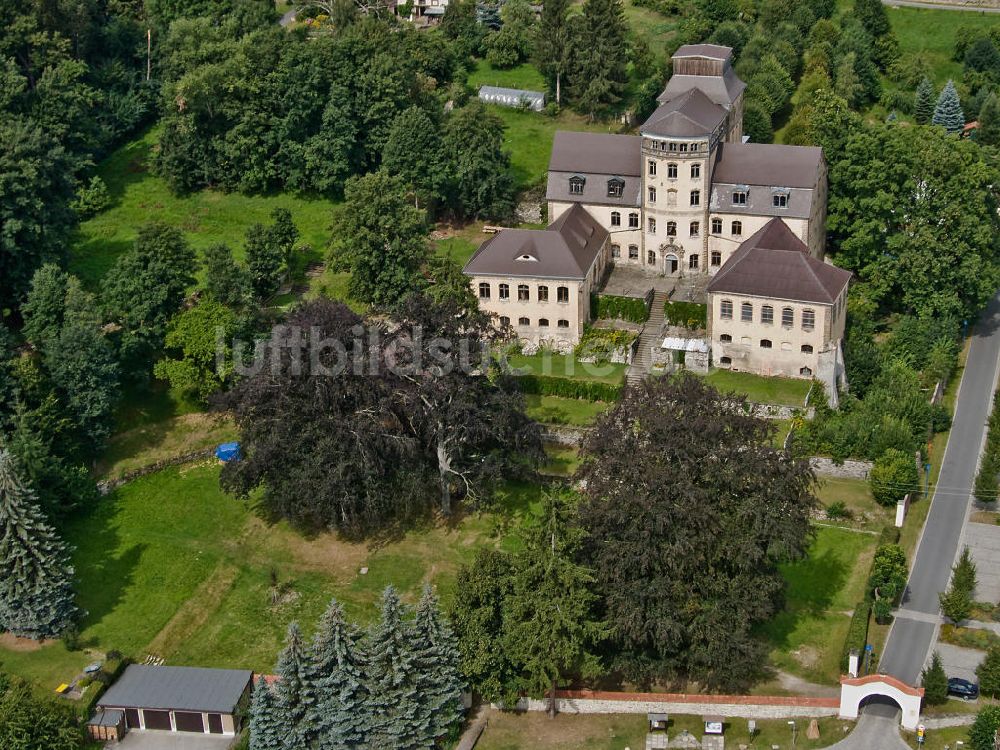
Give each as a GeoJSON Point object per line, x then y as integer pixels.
{"type": "Point", "coordinates": [206, 217]}
{"type": "Point", "coordinates": [655, 29]}
{"type": "Point", "coordinates": [564, 411]}
{"type": "Point", "coordinates": [786, 391]}
{"type": "Point", "coordinates": [806, 637]}
{"type": "Point", "coordinates": [170, 565]}
{"type": "Point", "coordinates": [567, 366]}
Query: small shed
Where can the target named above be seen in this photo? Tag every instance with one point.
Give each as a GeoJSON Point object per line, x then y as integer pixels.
{"type": "Point", "coordinates": [181, 699]}
{"type": "Point", "coordinates": [516, 98]}
{"type": "Point", "coordinates": [658, 722]}
{"type": "Point", "coordinates": [228, 452]}
{"type": "Point", "coordinates": [105, 726]}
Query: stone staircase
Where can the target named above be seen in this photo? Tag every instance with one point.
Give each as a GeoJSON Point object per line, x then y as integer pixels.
{"type": "Point", "coordinates": [650, 337]}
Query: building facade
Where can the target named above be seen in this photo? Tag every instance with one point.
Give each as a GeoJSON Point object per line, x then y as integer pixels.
{"type": "Point", "coordinates": [680, 197]}
{"type": "Point", "coordinates": [774, 309]}
{"type": "Point", "coordinates": [538, 282]}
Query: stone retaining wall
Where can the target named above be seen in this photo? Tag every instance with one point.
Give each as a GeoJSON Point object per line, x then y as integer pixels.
{"type": "Point", "coordinates": [955, 720]}
{"type": "Point", "coordinates": [849, 469]}
{"type": "Point", "coordinates": [108, 485]}
{"type": "Point", "coordinates": [730, 706]}
{"type": "Point", "coordinates": [563, 435]}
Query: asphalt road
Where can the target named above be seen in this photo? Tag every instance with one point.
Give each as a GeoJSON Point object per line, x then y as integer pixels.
{"type": "Point", "coordinates": [873, 732]}
{"type": "Point", "coordinates": [911, 637]}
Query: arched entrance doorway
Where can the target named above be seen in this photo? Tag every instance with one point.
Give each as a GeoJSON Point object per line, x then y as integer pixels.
{"type": "Point", "coordinates": [670, 264]}
{"type": "Point", "coordinates": [881, 694]}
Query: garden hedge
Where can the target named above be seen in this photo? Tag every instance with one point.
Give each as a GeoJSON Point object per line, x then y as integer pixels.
{"type": "Point", "coordinates": [550, 385]}
{"type": "Point", "coordinates": [987, 486]}
{"type": "Point", "coordinates": [691, 315]}
{"type": "Point", "coordinates": [613, 307]}
{"type": "Point", "coordinates": [857, 633]}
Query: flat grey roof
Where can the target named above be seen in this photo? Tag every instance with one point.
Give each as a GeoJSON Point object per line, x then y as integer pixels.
{"type": "Point", "coordinates": [596, 153]}
{"type": "Point", "coordinates": [178, 688]}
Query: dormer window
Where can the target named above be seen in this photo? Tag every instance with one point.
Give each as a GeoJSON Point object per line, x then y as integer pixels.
{"type": "Point", "coordinates": [780, 200]}
{"type": "Point", "coordinates": [739, 197]}
{"type": "Point", "coordinates": [528, 257]}
{"type": "Point", "coordinates": [616, 187]}
{"type": "Point", "coordinates": [576, 184]}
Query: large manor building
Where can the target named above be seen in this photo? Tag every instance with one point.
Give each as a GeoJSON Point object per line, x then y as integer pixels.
{"type": "Point", "coordinates": [686, 197]}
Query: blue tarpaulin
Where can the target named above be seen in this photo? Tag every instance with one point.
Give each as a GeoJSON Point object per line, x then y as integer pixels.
{"type": "Point", "coordinates": [228, 452]}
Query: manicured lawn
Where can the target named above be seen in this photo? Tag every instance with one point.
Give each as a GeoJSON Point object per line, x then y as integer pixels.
{"type": "Point", "coordinates": [524, 76]}
{"type": "Point", "coordinates": [564, 411]}
{"type": "Point", "coordinates": [170, 565]}
{"type": "Point", "coordinates": [566, 366]}
{"type": "Point", "coordinates": [856, 495]}
{"type": "Point", "coordinates": [807, 636]}
{"type": "Point", "coordinates": [562, 460]}
{"type": "Point", "coordinates": [510, 731]}
{"type": "Point", "coordinates": [932, 32]}
{"type": "Point", "coordinates": [529, 139]}
{"type": "Point", "coordinates": [783, 391]}
{"type": "Point", "coordinates": [206, 217]}
{"type": "Point", "coordinates": [655, 29]}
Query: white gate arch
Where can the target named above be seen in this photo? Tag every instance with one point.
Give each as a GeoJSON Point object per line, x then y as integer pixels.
{"type": "Point", "coordinates": [854, 690]}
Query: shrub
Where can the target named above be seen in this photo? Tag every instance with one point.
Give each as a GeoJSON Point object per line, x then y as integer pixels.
{"type": "Point", "coordinates": [987, 486]}
{"type": "Point", "coordinates": [857, 632]}
{"type": "Point", "coordinates": [600, 344]}
{"type": "Point", "coordinates": [91, 199]}
{"type": "Point", "coordinates": [691, 315]}
{"type": "Point", "coordinates": [613, 307]}
{"type": "Point", "coordinates": [888, 535]}
{"type": "Point", "coordinates": [893, 477]}
{"type": "Point", "coordinates": [550, 385]}
{"type": "Point", "coordinates": [935, 682]}
{"type": "Point", "coordinates": [956, 604]}
{"type": "Point", "coordinates": [889, 573]}
{"type": "Point", "coordinates": [983, 731]}
{"type": "Point", "coordinates": [988, 673]}
{"type": "Point", "coordinates": [838, 510]}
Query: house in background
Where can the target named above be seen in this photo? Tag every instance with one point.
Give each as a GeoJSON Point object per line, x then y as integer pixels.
{"type": "Point", "coordinates": [774, 309]}
{"type": "Point", "coordinates": [178, 699]}
{"type": "Point", "coordinates": [538, 281]}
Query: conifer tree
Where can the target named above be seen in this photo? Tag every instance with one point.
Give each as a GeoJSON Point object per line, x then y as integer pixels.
{"type": "Point", "coordinates": [438, 665]}
{"type": "Point", "coordinates": [553, 46]}
{"type": "Point", "coordinates": [935, 682]}
{"type": "Point", "coordinates": [397, 715]}
{"type": "Point", "coordinates": [600, 70]}
{"type": "Point", "coordinates": [36, 579]}
{"type": "Point", "coordinates": [293, 674]}
{"type": "Point", "coordinates": [267, 728]}
{"type": "Point", "coordinates": [550, 627]}
{"type": "Point", "coordinates": [988, 133]}
{"type": "Point", "coordinates": [963, 576]}
{"type": "Point", "coordinates": [948, 111]}
{"type": "Point", "coordinates": [335, 692]}
{"type": "Point", "coordinates": [923, 105]}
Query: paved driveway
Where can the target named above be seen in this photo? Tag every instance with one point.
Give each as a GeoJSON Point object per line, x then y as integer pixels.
{"type": "Point", "coordinates": [152, 740]}
{"type": "Point", "coordinates": [983, 541]}
{"type": "Point", "coordinates": [873, 733]}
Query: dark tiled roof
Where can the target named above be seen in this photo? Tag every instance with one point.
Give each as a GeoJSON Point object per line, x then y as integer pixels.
{"type": "Point", "coordinates": [723, 90]}
{"type": "Point", "coordinates": [566, 249]}
{"type": "Point", "coordinates": [178, 688]}
{"type": "Point", "coordinates": [595, 189]}
{"type": "Point", "coordinates": [775, 263]}
{"type": "Point", "coordinates": [760, 201]}
{"type": "Point", "coordinates": [692, 113]}
{"type": "Point", "coordinates": [768, 164]}
{"type": "Point", "coordinates": [596, 153]}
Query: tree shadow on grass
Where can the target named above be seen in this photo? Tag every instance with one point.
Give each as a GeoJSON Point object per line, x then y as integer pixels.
{"type": "Point", "coordinates": [813, 584]}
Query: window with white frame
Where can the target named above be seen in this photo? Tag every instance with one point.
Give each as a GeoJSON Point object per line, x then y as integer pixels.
{"type": "Point", "coordinates": [576, 184]}
{"type": "Point", "coordinates": [767, 315]}
{"type": "Point", "coordinates": [716, 225]}
{"type": "Point", "coordinates": [787, 317]}
{"type": "Point", "coordinates": [672, 171]}
{"type": "Point", "coordinates": [522, 293]}
{"type": "Point", "coordinates": [808, 320]}
{"type": "Point", "coordinates": [746, 312]}
{"type": "Point", "coordinates": [695, 171]}
{"type": "Point", "coordinates": [695, 197]}
{"type": "Point", "coordinates": [543, 293]}
{"type": "Point", "coordinates": [726, 309]}
{"type": "Point", "coordinates": [504, 291]}
{"type": "Point", "coordinates": [616, 218]}
{"type": "Point", "coordinates": [562, 294]}
{"type": "Point", "coordinates": [484, 290]}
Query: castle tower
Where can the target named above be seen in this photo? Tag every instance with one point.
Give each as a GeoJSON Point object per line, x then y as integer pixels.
{"type": "Point", "coordinates": [701, 107]}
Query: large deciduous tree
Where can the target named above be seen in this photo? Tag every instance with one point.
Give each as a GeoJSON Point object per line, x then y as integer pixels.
{"type": "Point", "coordinates": [144, 289]}
{"type": "Point", "coordinates": [36, 579]}
{"type": "Point", "coordinates": [380, 237]}
{"type": "Point", "coordinates": [686, 549]}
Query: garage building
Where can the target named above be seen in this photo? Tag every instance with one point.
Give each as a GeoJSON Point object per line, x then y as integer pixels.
{"type": "Point", "coordinates": [181, 699]}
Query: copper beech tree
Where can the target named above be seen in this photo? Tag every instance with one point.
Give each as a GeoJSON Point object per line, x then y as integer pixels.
{"type": "Point", "coordinates": [689, 510]}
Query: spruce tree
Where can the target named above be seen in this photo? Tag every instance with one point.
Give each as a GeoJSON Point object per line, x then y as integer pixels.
{"type": "Point", "coordinates": [963, 575]}
{"type": "Point", "coordinates": [988, 133]}
{"type": "Point", "coordinates": [293, 674]}
{"type": "Point", "coordinates": [267, 727]}
{"type": "Point", "coordinates": [36, 579]}
{"type": "Point", "coordinates": [988, 673]}
{"type": "Point", "coordinates": [948, 110]}
{"type": "Point", "coordinates": [923, 105]}
{"type": "Point", "coordinates": [935, 682]}
{"type": "Point", "coordinates": [335, 692]}
{"type": "Point", "coordinates": [553, 46]}
{"type": "Point", "coordinates": [438, 665]}
{"type": "Point", "coordinates": [600, 70]}
{"type": "Point", "coordinates": [397, 715]}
